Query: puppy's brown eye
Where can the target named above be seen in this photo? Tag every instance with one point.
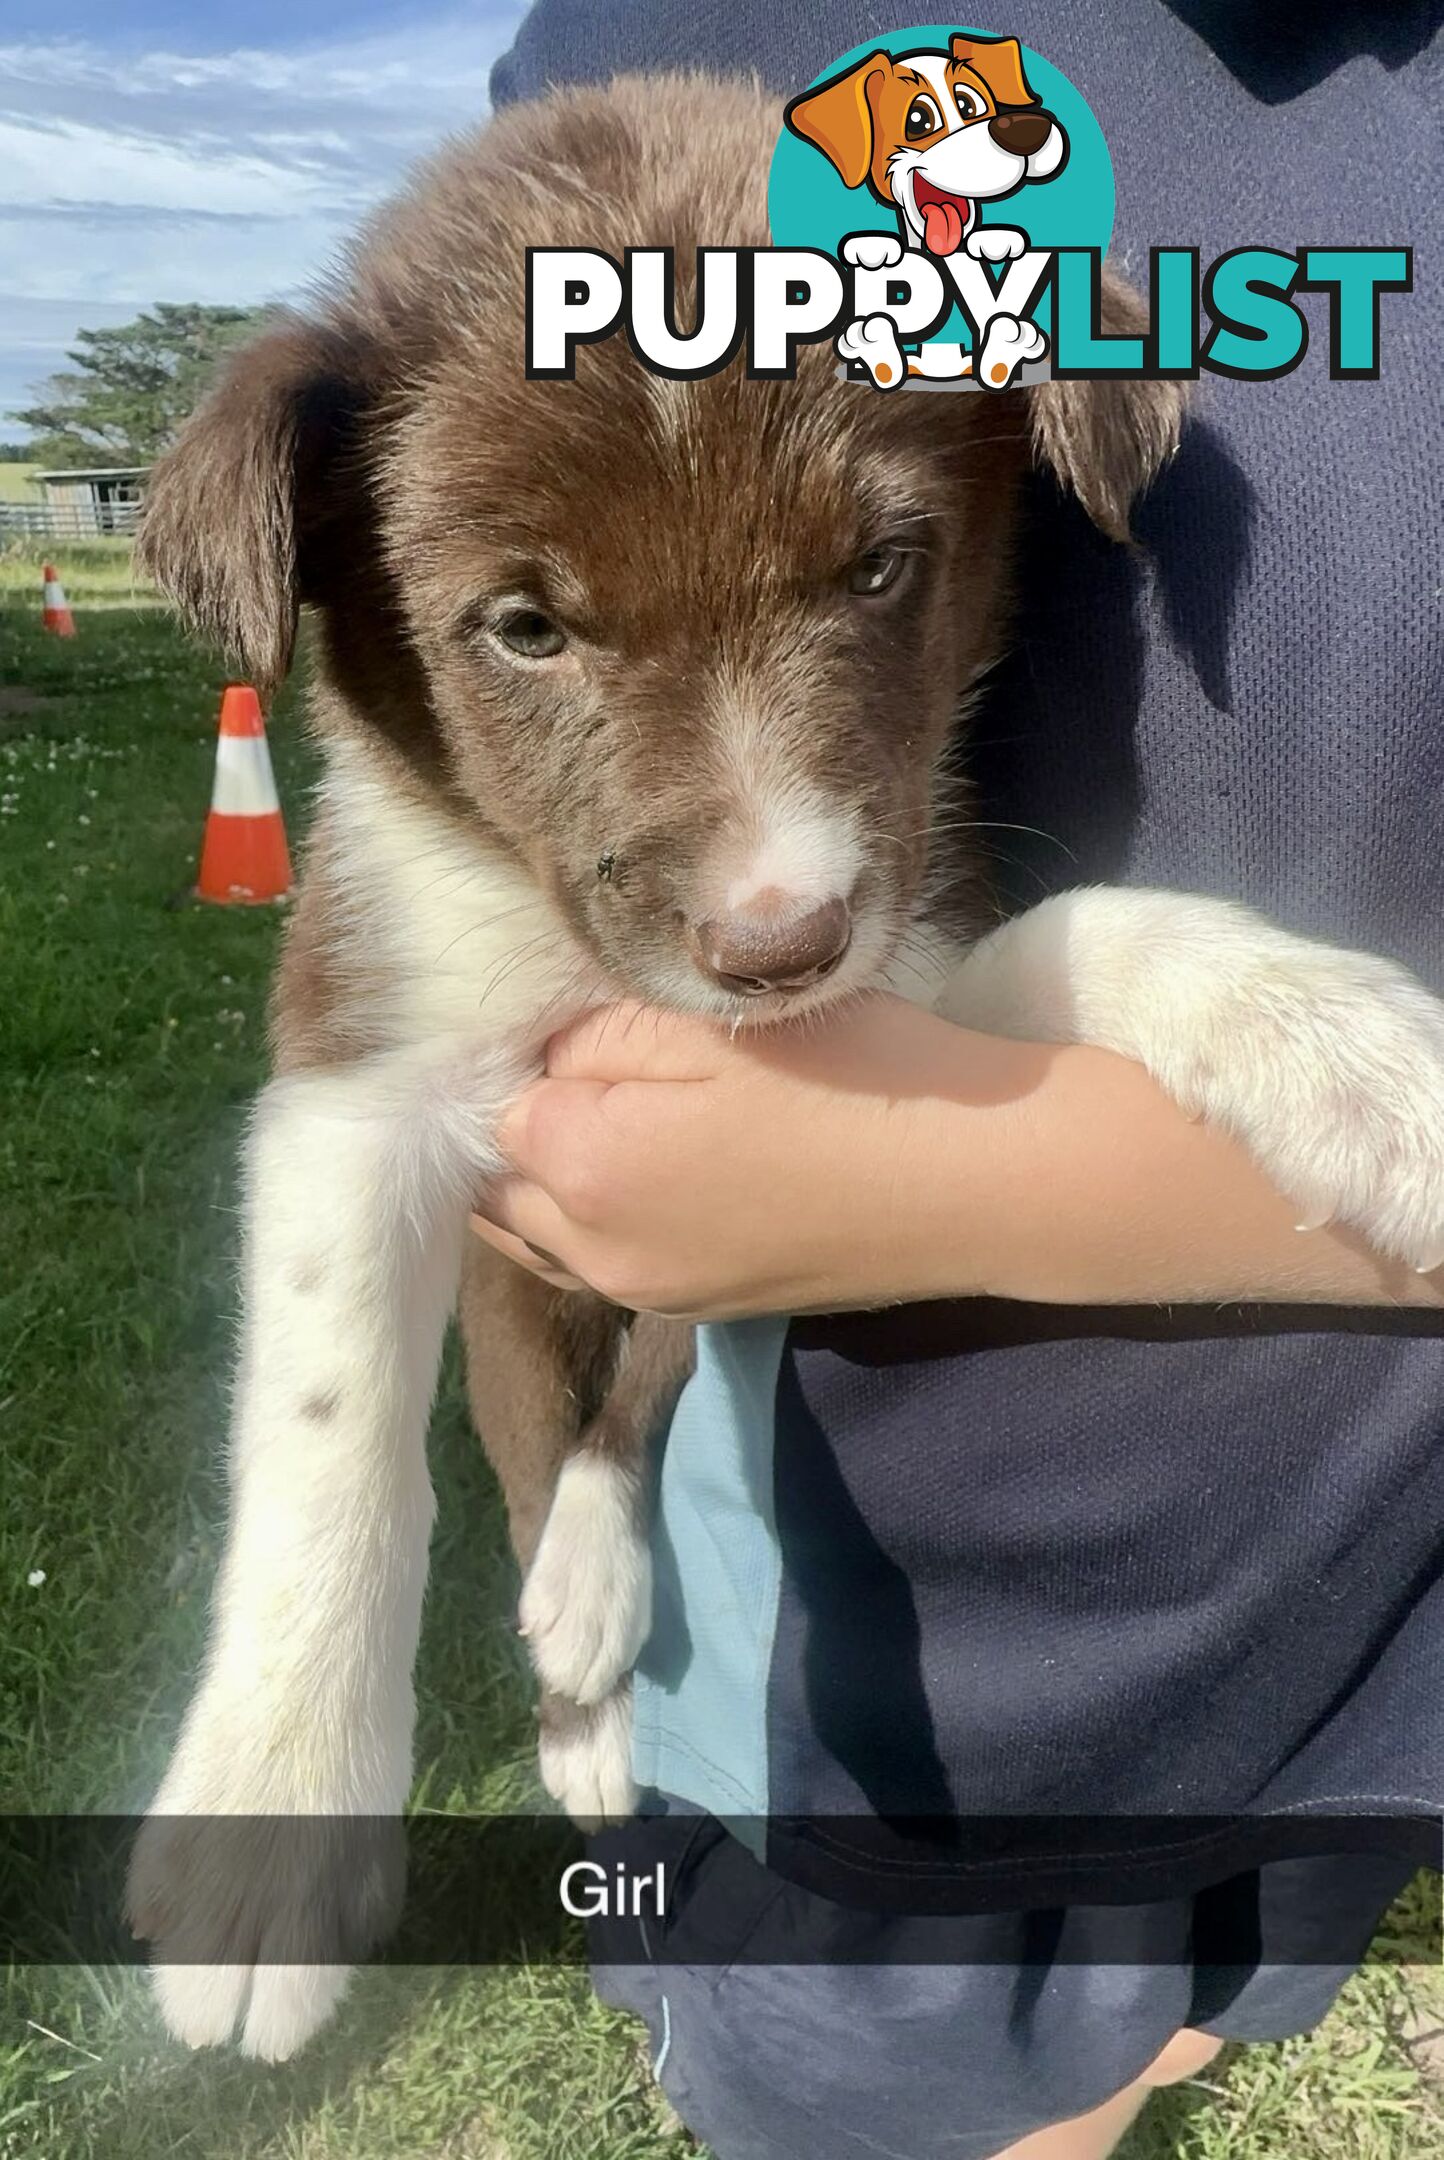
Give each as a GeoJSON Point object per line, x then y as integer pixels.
{"type": "Point", "coordinates": [877, 571]}
{"type": "Point", "coordinates": [530, 634]}
{"type": "Point", "coordinates": [924, 118]}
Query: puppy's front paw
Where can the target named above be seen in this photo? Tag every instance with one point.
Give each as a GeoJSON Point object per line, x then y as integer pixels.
{"type": "Point", "coordinates": [257, 1883]}
{"type": "Point", "coordinates": [255, 1920]}
{"type": "Point", "coordinates": [278, 2007]}
{"type": "Point", "coordinates": [1327, 1064]}
{"type": "Point", "coordinates": [585, 1757]}
{"type": "Point", "coordinates": [1350, 1122]}
{"type": "Point", "coordinates": [587, 1602]}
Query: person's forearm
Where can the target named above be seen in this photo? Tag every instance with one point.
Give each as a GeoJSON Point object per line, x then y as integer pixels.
{"type": "Point", "coordinates": [886, 1157]}
{"type": "Point", "coordinates": [1066, 1176]}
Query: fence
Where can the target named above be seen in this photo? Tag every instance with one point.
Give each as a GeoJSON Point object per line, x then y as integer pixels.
{"type": "Point", "coordinates": [66, 521]}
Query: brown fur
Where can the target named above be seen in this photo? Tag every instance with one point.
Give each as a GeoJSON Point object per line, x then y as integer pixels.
{"type": "Point", "coordinates": [562, 1381]}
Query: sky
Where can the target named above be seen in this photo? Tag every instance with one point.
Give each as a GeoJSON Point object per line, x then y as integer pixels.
{"type": "Point", "coordinates": [170, 150]}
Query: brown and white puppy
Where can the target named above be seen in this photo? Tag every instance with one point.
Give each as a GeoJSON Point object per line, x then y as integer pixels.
{"type": "Point", "coordinates": [622, 684]}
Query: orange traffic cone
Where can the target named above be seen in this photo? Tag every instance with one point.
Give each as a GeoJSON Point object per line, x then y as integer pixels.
{"type": "Point", "coordinates": [244, 857]}
{"type": "Point", "coordinates": [55, 614]}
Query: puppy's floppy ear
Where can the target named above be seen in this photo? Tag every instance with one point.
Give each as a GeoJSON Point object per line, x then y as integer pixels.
{"type": "Point", "coordinates": [837, 117]}
{"type": "Point", "coordinates": [233, 508]}
{"type": "Point", "coordinates": [1000, 63]}
{"type": "Point", "coordinates": [1106, 440]}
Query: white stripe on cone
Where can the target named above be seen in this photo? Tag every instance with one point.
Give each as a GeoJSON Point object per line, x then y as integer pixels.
{"type": "Point", "coordinates": [54, 594]}
{"type": "Point", "coordinates": [245, 785]}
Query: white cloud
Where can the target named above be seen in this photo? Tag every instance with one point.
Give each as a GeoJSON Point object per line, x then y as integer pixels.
{"type": "Point", "coordinates": [233, 176]}
{"type": "Point", "coordinates": [378, 67]}
{"type": "Point", "coordinates": [58, 163]}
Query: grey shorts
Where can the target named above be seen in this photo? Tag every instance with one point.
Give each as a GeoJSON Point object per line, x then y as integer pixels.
{"type": "Point", "coordinates": [1042, 2017]}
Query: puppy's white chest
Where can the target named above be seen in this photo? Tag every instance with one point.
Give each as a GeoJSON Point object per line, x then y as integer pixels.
{"type": "Point", "coordinates": [456, 938]}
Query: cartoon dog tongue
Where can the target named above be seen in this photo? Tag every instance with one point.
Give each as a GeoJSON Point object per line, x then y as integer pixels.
{"type": "Point", "coordinates": [942, 227]}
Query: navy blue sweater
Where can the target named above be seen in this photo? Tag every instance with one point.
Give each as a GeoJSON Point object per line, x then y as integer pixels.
{"type": "Point", "coordinates": [992, 1558]}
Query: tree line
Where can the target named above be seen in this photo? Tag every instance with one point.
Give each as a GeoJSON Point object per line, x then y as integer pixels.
{"type": "Point", "coordinates": [128, 388]}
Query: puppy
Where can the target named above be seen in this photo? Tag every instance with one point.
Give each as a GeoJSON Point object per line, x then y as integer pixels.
{"type": "Point", "coordinates": [933, 134]}
{"type": "Point", "coordinates": [622, 684]}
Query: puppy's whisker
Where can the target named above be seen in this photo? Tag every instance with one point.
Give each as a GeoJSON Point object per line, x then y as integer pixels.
{"type": "Point", "coordinates": [509, 964]}
{"type": "Point", "coordinates": [485, 922]}
{"type": "Point", "coordinates": [1036, 832]}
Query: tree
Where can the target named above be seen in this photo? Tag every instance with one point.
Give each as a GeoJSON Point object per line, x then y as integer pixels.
{"type": "Point", "coordinates": [132, 385]}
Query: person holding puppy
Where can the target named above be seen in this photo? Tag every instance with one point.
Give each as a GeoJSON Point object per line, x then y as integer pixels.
{"type": "Point", "coordinates": [1105, 1511]}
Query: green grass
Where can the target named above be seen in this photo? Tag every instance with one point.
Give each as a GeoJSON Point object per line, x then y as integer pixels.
{"type": "Point", "coordinates": [96, 572]}
{"type": "Point", "coordinates": [131, 1040]}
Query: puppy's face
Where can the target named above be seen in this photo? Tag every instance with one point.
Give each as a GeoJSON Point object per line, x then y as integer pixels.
{"type": "Point", "coordinates": [695, 650]}
{"type": "Point", "coordinates": [690, 652]}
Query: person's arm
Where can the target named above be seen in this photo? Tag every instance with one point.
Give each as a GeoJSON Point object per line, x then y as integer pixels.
{"type": "Point", "coordinates": [889, 1156]}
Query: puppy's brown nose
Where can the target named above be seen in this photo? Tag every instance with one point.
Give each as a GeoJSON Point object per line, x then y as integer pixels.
{"type": "Point", "coordinates": [1021, 132]}
{"type": "Point", "coordinates": [770, 945]}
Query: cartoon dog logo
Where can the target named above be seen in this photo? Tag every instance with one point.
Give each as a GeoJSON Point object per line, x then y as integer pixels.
{"type": "Point", "coordinates": [932, 135]}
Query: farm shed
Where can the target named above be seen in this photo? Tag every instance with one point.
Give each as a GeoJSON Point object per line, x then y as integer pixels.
{"type": "Point", "coordinates": [102, 499]}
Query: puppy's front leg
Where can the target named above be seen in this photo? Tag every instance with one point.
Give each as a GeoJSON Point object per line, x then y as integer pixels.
{"type": "Point", "coordinates": [1327, 1064]}
{"type": "Point", "coordinates": [586, 1606]}
{"type": "Point", "coordinates": [567, 1394]}
{"type": "Point", "coordinates": [356, 1195]}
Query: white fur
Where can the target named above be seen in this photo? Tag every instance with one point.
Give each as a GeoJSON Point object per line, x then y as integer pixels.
{"type": "Point", "coordinates": [803, 845]}
{"type": "Point", "coordinates": [447, 918]}
{"type": "Point", "coordinates": [356, 1195]}
{"type": "Point", "coordinates": [287, 2004]}
{"type": "Point", "coordinates": [357, 1188]}
{"type": "Point", "coordinates": [588, 1771]}
{"type": "Point", "coordinates": [201, 2004]}
{"type": "Point", "coordinates": [782, 837]}
{"type": "Point", "coordinates": [278, 2007]}
{"type": "Point", "coordinates": [587, 1603]}
{"type": "Point", "coordinates": [1327, 1065]}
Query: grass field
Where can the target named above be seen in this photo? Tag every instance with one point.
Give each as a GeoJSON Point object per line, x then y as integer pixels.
{"type": "Point", "coordinates": [132, 1034]}
{"type": "Point", "coordinates": [97, 572]}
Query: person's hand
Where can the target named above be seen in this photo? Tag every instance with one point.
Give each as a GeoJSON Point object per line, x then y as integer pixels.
{"type": "Point", "coordinates": [882, 1156]}
{"type": "Point", "coordinates": [678, 1168]}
